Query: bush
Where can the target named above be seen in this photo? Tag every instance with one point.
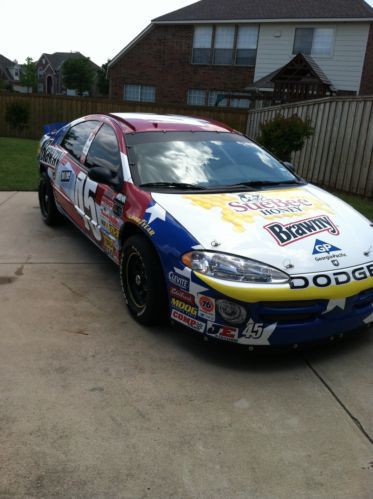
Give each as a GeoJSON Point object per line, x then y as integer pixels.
{"type": "Point", "coordinates": [17, 115]}
{"type": "Point", "coordinates": [282, 136]}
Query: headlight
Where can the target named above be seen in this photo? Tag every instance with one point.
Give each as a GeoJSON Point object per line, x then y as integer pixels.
{"type": "Point", "coordinates": [233, 268]}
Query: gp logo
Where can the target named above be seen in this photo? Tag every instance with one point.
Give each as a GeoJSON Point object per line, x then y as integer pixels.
{"type": "Point", "coordinates": [323, 247]}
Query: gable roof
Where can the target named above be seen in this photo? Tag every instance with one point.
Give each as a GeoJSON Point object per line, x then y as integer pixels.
{"type": "Point", "coordinates": [5, 64]}
{"type": "Point", "coordinates": [58, 58]}
{"type": "Point", "coordinates": [239, 10]}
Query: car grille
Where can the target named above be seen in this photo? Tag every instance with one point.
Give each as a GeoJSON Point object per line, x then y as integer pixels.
{"type": "Point", "coordinates": [291, 311]}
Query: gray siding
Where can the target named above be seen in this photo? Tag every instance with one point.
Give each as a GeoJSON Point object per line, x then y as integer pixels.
{"type": "Point", "coordinates": [344, 68]}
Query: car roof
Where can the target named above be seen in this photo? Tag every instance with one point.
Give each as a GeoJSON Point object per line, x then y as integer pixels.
{"type": "Point", "coordinates": [147, 122]}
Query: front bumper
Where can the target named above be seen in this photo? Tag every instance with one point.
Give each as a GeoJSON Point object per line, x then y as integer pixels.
{"type": "Point", "coordinates": [274, 323]}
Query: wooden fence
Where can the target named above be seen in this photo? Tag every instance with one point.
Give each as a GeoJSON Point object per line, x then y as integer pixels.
{"type": "Point", "coordinates": [339, 155]}
{"type": "Point", "coordinates": [53, 109]}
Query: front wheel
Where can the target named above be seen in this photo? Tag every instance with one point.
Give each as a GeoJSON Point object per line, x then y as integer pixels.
{"type": "Point", "coordinates": [48, 208]}
{"type": "Point", "coordinates": [142, 281]}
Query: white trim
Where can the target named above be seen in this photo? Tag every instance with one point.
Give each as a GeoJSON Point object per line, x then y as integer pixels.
{"type": "Point", "coordinates": [131, 44]}
{"type": "Point", "coordinates": [274, 21]}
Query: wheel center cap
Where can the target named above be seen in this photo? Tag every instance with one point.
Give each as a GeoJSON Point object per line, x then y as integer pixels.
{"type": "Point", "coordinates": [138, 280]}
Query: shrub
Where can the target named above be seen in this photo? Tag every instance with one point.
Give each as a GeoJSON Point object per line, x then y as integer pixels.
{"type": "Point", "coordinates": [282, 136]}
{"type": "Point", "coordinates": [17, 115]}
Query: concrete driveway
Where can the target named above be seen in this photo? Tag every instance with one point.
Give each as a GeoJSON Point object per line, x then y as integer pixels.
{"type": "Point", "coordinates": [94, 405]}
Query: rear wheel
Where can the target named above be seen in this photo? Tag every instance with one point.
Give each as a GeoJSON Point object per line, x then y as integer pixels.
{"type": "Point", "coordinates": [48, 208]}
{"type": "Point", "coordinates": [142, 281]}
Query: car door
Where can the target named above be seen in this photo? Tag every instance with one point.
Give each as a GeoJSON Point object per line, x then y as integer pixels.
{"type": "Point", "coordinates": [70, 174]}
{"type": "Point", "coordinates": [102, 203]}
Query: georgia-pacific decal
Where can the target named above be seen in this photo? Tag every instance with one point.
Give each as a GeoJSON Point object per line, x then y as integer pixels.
{"type": "Point", "coordinates": [239, 209]}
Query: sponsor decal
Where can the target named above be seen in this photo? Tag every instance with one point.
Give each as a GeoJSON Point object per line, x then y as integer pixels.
{"type": "Point", "coordinates": [187, 321]}
{"type": "Point", "coordinates": [228, 333]}
{"type": "Point", "coordinates": [178, 280]}
{"type": "Point", "coordinates": [182, 295]}
{"type": "Point", "coordinates": [270, 206]}
{"type": "Point", "coordinates": [257, 333]}
{"type": "Point", "coordinates": [206, 307]}
{"type": "Point", "coordinates": [285, 234]}
{"type": "Point", "coordinates": [337, 278]}
{"type": "Point", "coordinates": [184, 307]}
{"type": "Point", "coordinates": [50, 155]}
{"type": "Point", "coordinates": [114, 231]}
{"type": "Point", "coordinates": [110, 247]}
{"type": "Point", "coordinates": [65, 175]}
{"type": "Point", "coordinates": [142, 223]}
{"type": "Point", "coordinates": [323, 248]}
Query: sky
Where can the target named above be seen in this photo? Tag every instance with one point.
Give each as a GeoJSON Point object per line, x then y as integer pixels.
{"type": "Point", "coordinates": [97, 30]}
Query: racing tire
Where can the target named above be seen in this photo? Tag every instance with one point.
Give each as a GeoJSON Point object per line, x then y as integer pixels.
{"type": "Point", "coordinates": [142, 281]}
{"type": "Point", "coordinates": [49, 212]}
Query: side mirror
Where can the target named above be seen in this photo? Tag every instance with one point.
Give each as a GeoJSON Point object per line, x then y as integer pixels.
{"type": "Point", "coordinates": [288, 165]}
{"type": "Point", "coordinates": [103, 175]}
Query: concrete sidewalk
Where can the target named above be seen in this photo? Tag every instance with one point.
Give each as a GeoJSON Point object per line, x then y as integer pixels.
{"type": "Point", "coordinates": [94, 405]}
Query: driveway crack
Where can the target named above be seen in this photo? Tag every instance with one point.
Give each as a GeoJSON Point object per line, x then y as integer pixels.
{"type": "Point", "coordinates": [353, 418]}
{"type": "Point", "coordinates": [8, 198]}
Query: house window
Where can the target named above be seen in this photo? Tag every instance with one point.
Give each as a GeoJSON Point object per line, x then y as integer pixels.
{"type": "Point", "coordinates": [314, 41]}
{"type": "Point", "coordinates": [196, 97]}
{"type": "Point", "coordinates": [218, 98]}
{"type": "Point", "coordinates": [139, 93]}
{"type": "Point", "coordinates": [225, 45]}
{"type": "Point", "coordinates": [202, 44]}
{"type": "Point", "coordinates": [247, 40]}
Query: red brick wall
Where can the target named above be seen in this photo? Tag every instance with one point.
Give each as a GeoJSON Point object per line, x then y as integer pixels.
{"type": "Point", "coordinates": [163, 59]}
{"type": "Point", "coordinates": [366, 87]}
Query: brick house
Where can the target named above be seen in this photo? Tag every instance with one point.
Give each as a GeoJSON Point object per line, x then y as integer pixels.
{"type": "Point", "coordinates": [10, 75]}
{"type": "Point", "coordinates": [50, 75]}
{"type": "Point", "coordinates": [219, 53]}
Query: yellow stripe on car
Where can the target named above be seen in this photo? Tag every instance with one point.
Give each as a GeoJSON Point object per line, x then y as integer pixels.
{"type": "Point", "coordinates": [252, 293]}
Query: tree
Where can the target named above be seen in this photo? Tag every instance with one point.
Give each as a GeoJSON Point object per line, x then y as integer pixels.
{"type": "Point", "coordinates": [17, 115]}
{"type": "Point", "coordinates": [102, 81]}
{"type": "Point", "coordinates": [282, 136]}
{"type": "Point", "coordinates": [29, 75]}
{"type": "Point", "coordinates": [78, 74]}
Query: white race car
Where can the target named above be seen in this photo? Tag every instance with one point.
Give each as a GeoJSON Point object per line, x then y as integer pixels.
{"type": "Point", "coordinates": [210, 230]}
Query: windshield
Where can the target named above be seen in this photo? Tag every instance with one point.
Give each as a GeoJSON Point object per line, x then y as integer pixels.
{"type": "Point", "coordinates": [202, 160]}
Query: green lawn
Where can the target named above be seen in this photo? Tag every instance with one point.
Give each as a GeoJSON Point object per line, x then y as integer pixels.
{"type": "Point", "coordinates": [18, 166]}
{"type": "Point", "coordinates": [18, 172]}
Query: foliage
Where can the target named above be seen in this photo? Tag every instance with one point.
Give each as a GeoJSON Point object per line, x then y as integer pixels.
{"type": "Point", "coordinates": [18, 170]}
{"type": "Point", "coordinates": [17, 115]}
{"type": "Point", "coordinates": [29, 75]}
{"type": "Point", "coordinates": [78, 74]}
{"type": "Point", "coordinates": [282, 136]}
{"type": "Point", "coordinates": [102, 81]}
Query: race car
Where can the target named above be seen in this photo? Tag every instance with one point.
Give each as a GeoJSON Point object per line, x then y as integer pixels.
{"type": "Point", "coordinates": [209, 230]}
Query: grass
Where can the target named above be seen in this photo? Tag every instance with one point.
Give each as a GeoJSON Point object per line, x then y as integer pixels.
{"type": "Point", "coordinates": [18, 172]}
{"type": "Point", "coordinates": [18, 167]}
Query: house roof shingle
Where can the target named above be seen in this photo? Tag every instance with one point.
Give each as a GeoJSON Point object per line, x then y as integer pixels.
{"type": "Point", "coordinates": [5, 64]}
{"type": "Point", "coordinates": [225, 10]}
{"type": "Point", "coordinates": [58, 58]}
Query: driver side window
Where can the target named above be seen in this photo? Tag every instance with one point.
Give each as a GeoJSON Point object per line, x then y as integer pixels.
{"type": "Point", "coordinates": [104, 150]}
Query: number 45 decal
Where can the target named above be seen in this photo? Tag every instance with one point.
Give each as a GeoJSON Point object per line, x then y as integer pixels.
{"type": "Point", "coordinates": [84, 201]}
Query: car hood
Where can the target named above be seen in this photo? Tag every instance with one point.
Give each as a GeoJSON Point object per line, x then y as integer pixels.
{"type": "Point", "coordinates": [304, 229]}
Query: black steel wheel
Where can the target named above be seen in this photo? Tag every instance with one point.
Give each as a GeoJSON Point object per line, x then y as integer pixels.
{"type": "Point", "coordinates": [142, 281]}
{"type": "Point", "coordinates": [48, 208]}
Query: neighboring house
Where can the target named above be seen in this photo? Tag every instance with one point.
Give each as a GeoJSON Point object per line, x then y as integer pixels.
{"type": "Point", "coordinates": [10, 74]}
{"type": "Point", "coordinates": [215, 53]}
{"type": "Point", "coordinates": [50, 75]}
